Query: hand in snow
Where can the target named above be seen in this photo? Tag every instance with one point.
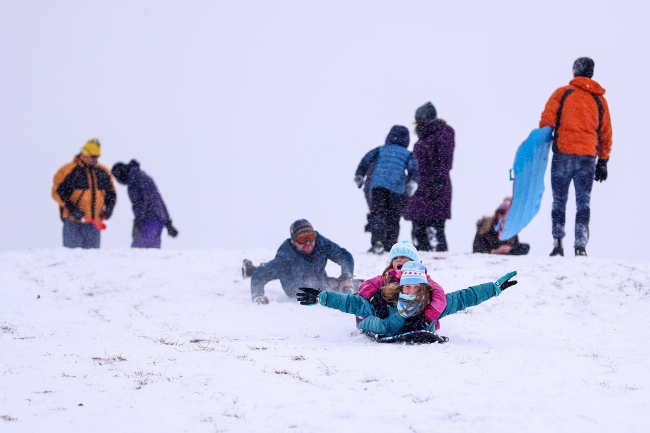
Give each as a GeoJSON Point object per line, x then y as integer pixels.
{"type": "Point", "coordinates": [503, 249]}
{"type": "Point", "coordinates": [358, 180]}
{"type": "Point", "coordinates": [260, 299]}
{"type": "Point", "coordinates": [504, 282]}
{"type": "Point", "coordinates": [308, 296]}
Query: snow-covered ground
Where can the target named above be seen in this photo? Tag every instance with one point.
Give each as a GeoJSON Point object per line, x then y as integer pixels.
{"type": "Point", "coordinates": [122, 340]}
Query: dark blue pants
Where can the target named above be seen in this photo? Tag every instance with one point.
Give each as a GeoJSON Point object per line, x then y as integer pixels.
{"type": "Point", "coordinates": [424, 231]}
{"type": "Point", "coordinates": [80, 235]}
{"type": "Point", "coordinates": [147, 233]}
{"type": "Point", "coordinates": [387, 208]}
{"type": "Point", "coordinates": [580, 169]}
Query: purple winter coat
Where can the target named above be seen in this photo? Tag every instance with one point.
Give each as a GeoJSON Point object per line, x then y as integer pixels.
{"type": "Point", "coordinates": [434, 152]}
{"type": "Point", "coordinates": [145, 198]}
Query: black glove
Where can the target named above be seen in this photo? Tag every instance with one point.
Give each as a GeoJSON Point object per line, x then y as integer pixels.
{"type": "Point", "coordinates": [77, 213]}
{"type": "Point", "coordinates": [416, 323]}
{"type": "Point", "coordinates": [380, 305]}
{"type": "Point", "coordinates": [601, 170]}
{"type": "Point", "coordinates": [171, 230]}
{"type": "Point", "coordinates": [308, 296]}
{"type": "Point", "coordinates": [504, 282]}
{"type": "Point", "coordinates": [106, 214]}
{"type": "Point", "coordinates": [358, 180]}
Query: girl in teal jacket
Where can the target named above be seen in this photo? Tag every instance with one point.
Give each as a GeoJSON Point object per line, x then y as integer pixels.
{"type": "Point", "coordinates": [406, 303]}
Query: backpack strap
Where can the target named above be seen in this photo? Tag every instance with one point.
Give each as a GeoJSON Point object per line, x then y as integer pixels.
{"type": "Point", "coordinates": [601, 111]}
{"type": "Point", "coordinates": [558, 118]}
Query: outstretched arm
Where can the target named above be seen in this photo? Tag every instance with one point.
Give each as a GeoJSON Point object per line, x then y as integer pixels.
{"type": "Point", "coordinates": [472, 296]}
{"type": "Point", "coordinates": [353, 304]}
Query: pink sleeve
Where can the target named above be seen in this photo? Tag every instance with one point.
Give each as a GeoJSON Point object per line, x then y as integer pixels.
{"type": "Point", "coordinates": [370, 287]}
{"type": "Point", "coordinates": [438, 301]}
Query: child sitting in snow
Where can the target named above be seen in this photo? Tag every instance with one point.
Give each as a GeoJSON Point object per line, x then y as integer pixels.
{"type": "Point", "coordinates": [371, 289]}
{"type": "Point", "coordinates": [405, 301]}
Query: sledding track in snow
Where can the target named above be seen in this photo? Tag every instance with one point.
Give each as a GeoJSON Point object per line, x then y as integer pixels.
{"type": "Point", "coordinates": [169, 341]}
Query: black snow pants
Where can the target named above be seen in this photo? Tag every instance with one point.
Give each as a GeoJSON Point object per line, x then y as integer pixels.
{"type": "Point", "coordinates": [422, 235]}
{"type": "Point", "coordinates": [387, 208]}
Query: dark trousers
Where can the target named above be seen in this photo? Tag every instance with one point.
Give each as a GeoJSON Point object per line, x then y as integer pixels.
{"type": "Point", "coordinates": [80, 235]}
{"type": "Point", "coordinates": [146, 233]}
{"type": "Point", "coordinates": [580, 169]}
{"type": "Point", "coordinates": [387, 208]}
{"type": "Point", "coordinates": [424, 231]}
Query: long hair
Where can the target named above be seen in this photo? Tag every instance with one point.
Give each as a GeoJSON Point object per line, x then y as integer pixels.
{"type": "Point", "coordinates": [421, 126]}
{"type": "Point", "coordinates": [391, 293]}
{"type": "Point", "coordinates": [386, 277]}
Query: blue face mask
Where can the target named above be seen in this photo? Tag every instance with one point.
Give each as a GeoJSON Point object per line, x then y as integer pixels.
{"type": "Point", "coordinates": [402, 305]}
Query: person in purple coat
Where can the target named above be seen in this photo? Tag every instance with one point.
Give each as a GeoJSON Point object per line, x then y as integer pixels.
{"type": "Point", "coordinates": [430, 206]}
{"type": "Point", "coordinates": [149, 209]}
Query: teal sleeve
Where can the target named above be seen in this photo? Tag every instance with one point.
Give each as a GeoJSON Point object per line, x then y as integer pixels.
{"type": "Point", "coordinates": [351, 304]}
{"type": "Point", "coordinates": [470, 297]}
{"type": "Point", "coordinates": [389, 326]}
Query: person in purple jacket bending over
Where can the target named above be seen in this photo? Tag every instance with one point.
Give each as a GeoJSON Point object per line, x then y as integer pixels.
{"type": "Point", "coordinates": [149, 209]}
{"type": "Point", "coordinates": [430, 206]}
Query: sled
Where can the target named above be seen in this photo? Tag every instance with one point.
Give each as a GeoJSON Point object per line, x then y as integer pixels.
{"type": "Point", "coordinates": [529, 168]}
{"type": "Point", "coordinates": [413, 337]}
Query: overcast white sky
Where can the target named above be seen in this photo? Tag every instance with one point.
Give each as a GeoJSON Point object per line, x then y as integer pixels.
{"type": "Point", "coordinates": [250, 115]}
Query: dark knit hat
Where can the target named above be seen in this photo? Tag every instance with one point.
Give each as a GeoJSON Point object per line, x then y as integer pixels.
{"type": "Point", "coordinates": [121, 171]}
{"type": "Point", "coordinates": [427, 112]}
{"type": "Point", "coordinates": [583, 67]}
{"type": "Point", "coordinates": [300, 227]}
{"type": "Point", "coordinates": [398, 135]}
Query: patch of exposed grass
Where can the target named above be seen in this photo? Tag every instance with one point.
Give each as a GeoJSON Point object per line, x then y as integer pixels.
{"type": "Point", "coordinates": [98, 360]}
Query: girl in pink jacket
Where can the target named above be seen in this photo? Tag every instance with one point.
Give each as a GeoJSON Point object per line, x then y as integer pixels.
{"type": "Point", "coordinates": [401, 253]}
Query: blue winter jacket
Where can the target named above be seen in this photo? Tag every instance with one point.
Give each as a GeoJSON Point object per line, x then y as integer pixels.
{"type": "Point", "coordinates": [354, 304]}
{"type": "Point", "coordinates": [392, 163]}
{"type": "Point", "coordinates": [295, 269]}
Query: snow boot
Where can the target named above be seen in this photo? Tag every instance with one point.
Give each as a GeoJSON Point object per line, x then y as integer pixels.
{"type": "Point", "coordinates": [558, 250]}
{"type": "Point", "coordinates": [247, 269]}
{"type": "Point", "coordinates": [581, 251]}
{"type": "Point", "coordinates": [378, 248]}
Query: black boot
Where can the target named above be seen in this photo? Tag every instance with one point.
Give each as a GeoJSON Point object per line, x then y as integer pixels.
{"type": "Point", "coordinates": [378, 248]}
{"type": "Point", "coordinates": [581, 251]}
{"type": "Point", "coordinates": [247, 269]}
{"type": "Point", "coordinates": [558, 250]}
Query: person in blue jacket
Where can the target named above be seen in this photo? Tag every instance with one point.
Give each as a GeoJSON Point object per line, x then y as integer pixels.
{"type": "Point", "coordinates": [394, 177]}
{"type": "Point", "coordinates": [406, 304]}
{"type": "Point", "coordinates": [300, 261]}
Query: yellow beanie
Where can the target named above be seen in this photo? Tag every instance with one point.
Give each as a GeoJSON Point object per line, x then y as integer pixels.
{"type": "Point", "coordinates": [92, 148]}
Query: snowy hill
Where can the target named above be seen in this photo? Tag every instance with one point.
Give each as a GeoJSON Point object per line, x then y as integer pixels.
{"type": "Point", "coordinates": [122, 340]}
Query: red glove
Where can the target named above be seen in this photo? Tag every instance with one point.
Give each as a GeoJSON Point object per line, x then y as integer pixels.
{"type": "Point", "coordinates": [98, 225]}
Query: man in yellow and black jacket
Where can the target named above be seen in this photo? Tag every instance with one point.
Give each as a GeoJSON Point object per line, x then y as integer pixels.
{"type": "Point", "coordinates": [86, 196]}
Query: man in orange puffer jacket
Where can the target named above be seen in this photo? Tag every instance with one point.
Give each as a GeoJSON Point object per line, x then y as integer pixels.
{"type": "Point", "coordinates": [582, 132]}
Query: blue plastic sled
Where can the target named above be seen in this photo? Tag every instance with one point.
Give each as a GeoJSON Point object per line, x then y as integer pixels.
{"type": "Point", "coordinates": [529, 168]}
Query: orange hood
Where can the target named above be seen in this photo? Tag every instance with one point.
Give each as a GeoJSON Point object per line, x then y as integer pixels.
{"type": "Point", "coordinates": [588, 85]}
